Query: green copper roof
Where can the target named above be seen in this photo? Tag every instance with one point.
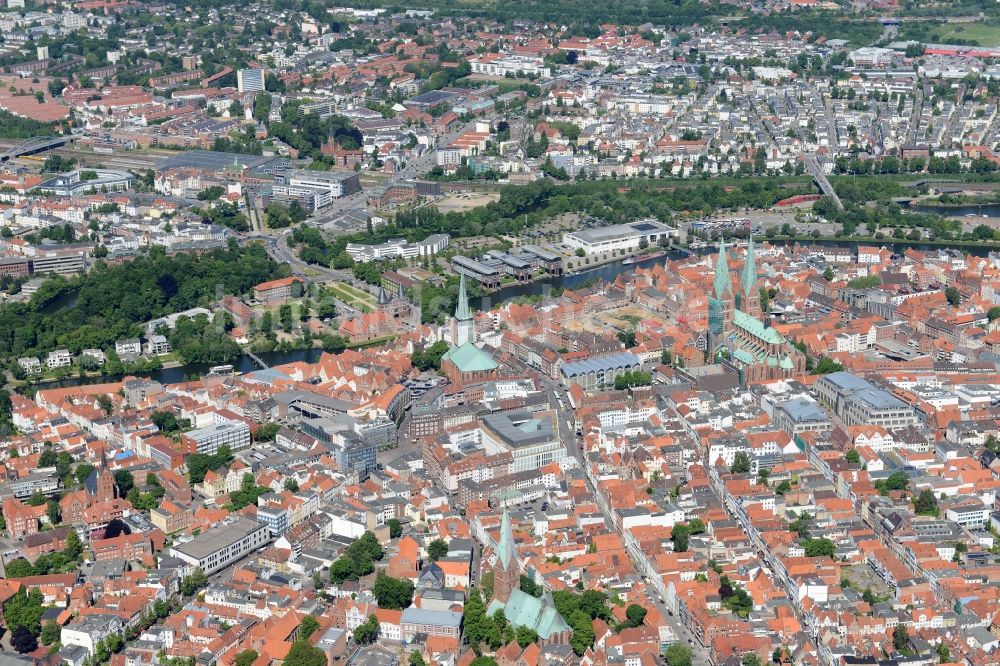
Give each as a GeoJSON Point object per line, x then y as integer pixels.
{"type": "Point", "coordinates": [505, 549]}
{"type": "Point", "coordinates": [786, 363]}
{"type": "Point", "coordinates": [525, 610]}
{"type": "Point", "coordinates": [757, 328]}
{"type": "Point", "coordinates": [470, 358]}
{"type": "Point", "coordinates": [462, 309]}
{"type": "Point", "coordinates": [722, 282]}
{"type": "Point", "coordinates": [749, 276]}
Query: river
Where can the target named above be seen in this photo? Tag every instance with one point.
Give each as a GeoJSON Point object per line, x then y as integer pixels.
{"type": "Point", "coordinates": [611, 271]}
{"type": "Point", "coordinates": [607, 272]}
{"type": "Point", "coordinates": [971, 210]}
{"type": "Point", "coordinates": [243, 364]}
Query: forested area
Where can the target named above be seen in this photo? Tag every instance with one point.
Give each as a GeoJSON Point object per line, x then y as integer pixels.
{"type": "Point", "coordinates": [859, 31]}
{"type": "Point", "coordinates": [15, 127]}
{"type": "Point", "coordinates": [578, 12]}
{"type": "Point", "coordinates": [113, 302]}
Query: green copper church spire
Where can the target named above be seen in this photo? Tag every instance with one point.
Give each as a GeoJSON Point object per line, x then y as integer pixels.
{"type": "Point", "coordinates": [748, 279]}
{"type": "Point", "coordinates": [462, 310]}
{"type": "Point", "coordinates": [505, 549]}
{"type": "Point", "coordinates": [722, 283]}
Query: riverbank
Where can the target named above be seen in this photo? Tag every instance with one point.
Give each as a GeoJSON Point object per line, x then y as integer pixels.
{"type": "Point", "coordinates": [846, 241]}
{"type": "Point", "coordinates": [173, 371]}
{"type": "Point", "coordinates": [966, 202]}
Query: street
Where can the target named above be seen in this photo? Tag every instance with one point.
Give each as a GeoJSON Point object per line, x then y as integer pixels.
{"type": "Point", "coordinates": [574, 444]}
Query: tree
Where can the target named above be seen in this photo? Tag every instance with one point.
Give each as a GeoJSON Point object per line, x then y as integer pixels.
{"type": "Point", "coordinates": [357, 560]}
{"type": "Point", "coordinates": [525, 636]}
{"type": "Point", "coordinates": [926, 503]}
{"type": "Point", "coordinates": [395, 528]}
{"type": "Point", "coordinates": [954, 296]}
{"type": "Point", "coordinates": [24, 609]}
{"type": "Point", "coordinates": [635, 614]}
{"type": "Point", "coordinates": [741, 463]}
{"type": "Point", "coordinates": [392, 592]}
{"type": "Point", "coordinates": [308, 627]}
{"type": "Point", "coordinates": [735, 598]}
{"type": "Point", "coordinates": [896, 481]}
{"type": "Point", "coordinates": [50, 633]}
{"type": "Point", "coordinates": [751, 659]}
{"type": "Point", "coordinates": [23, 640]}
{"type": "Point", "coordinates": [266, 432]}
{"type": "Point", "coordinates": [19, 568]}
{"type": "Point", "coordinates": [367, 632]}
{"type": "Point", "coordinates": [47, 457]}
{"type": "Point", "coordinates": [825, 366]}
{"type": "Point", "coordinates": [52, 511]}
{"type": "Point", "coordinates": [783, 487]}
{"type": "Point", "coordinates": [529, 586]}
{"type": "Point", "coordinates": [853, 457]}
{"type": "Point", "coordinates": [993, 313]}
{"type": "Point", "coordinates": [124, 481]}
{"type": "Point", "coordinates": [483, 661]}
{"type": "Point", "coordinates": [430, 358]}
{"type": "Point", "coordinates": [679, 534]}
{"type": "Point", "coordinates": [285, 317]}
{"type": "Point", "coordinates": [828, 274]}
{"type": "Point", "coordinates": [194, 582]}
{"type": "Point", "coordinates": [595, 604]}
{"type": "Point", "coordinates": [801, 524]}
{"type": "Point", "coordinates": [437, 549]}
{"type": "Point", "coordinates": [304, 654]}
{"type": "Point", "coordinates": [900, 638]}
{"type": "Point", "coordinates": [583, 632]}
{"type": "Point", "coordinates": [416, 659]}
{"type": "Point", "coordinates": [246, 658]}
{"type": "Point", "coordinates": [818, 547]}
{"type": "Point", "coordinates": [677, 654]}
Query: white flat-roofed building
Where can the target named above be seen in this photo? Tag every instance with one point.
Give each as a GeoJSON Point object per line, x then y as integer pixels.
{"type": "Point", "coordinates": [628, 237]}
{"type": "Point", "coordinates": [234, 434]}
{"type": "Point", "coordinates": [320, 188]}
{"type": "Point", "coordinates": [223, 544]}
{"type": "Point", "coordinates": [532, 439]}
{"type": "Point", "coordinates": [83, 181]}
{"type": "Point", "coordinates": [59, 358]}
{"type": "Point", "coordinates": [90, 630]}
{"type": "Point", "coordinates": [509, 64]}
{"type": "Point", "coordinates": [250, 80]}
{"type": "Point", "coordinates": [398, 247]}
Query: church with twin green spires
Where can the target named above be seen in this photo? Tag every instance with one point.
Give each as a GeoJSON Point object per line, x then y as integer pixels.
{"type": "Point", "coordinates": [740, 333]}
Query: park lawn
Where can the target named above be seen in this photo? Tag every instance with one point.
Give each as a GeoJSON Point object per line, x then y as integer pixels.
{"type": "Point", "coordinates": [357, 293]}
{"type": "Point", "coordinates": [353, 297]}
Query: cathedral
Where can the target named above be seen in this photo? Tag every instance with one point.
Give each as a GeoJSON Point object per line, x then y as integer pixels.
{"type": "Point", "coordinates": [520, 608]}
{"type": "Point", "coordinates": [740, 333]}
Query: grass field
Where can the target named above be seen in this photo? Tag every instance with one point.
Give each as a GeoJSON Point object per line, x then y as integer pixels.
{"type": "Point", "coordinates": [353, 296]}
{"type": "Point", "coordinates": [984, 34]}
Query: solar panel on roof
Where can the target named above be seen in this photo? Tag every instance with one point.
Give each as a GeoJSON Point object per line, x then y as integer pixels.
{"type": "Point", "coordinates": [643, 226]}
